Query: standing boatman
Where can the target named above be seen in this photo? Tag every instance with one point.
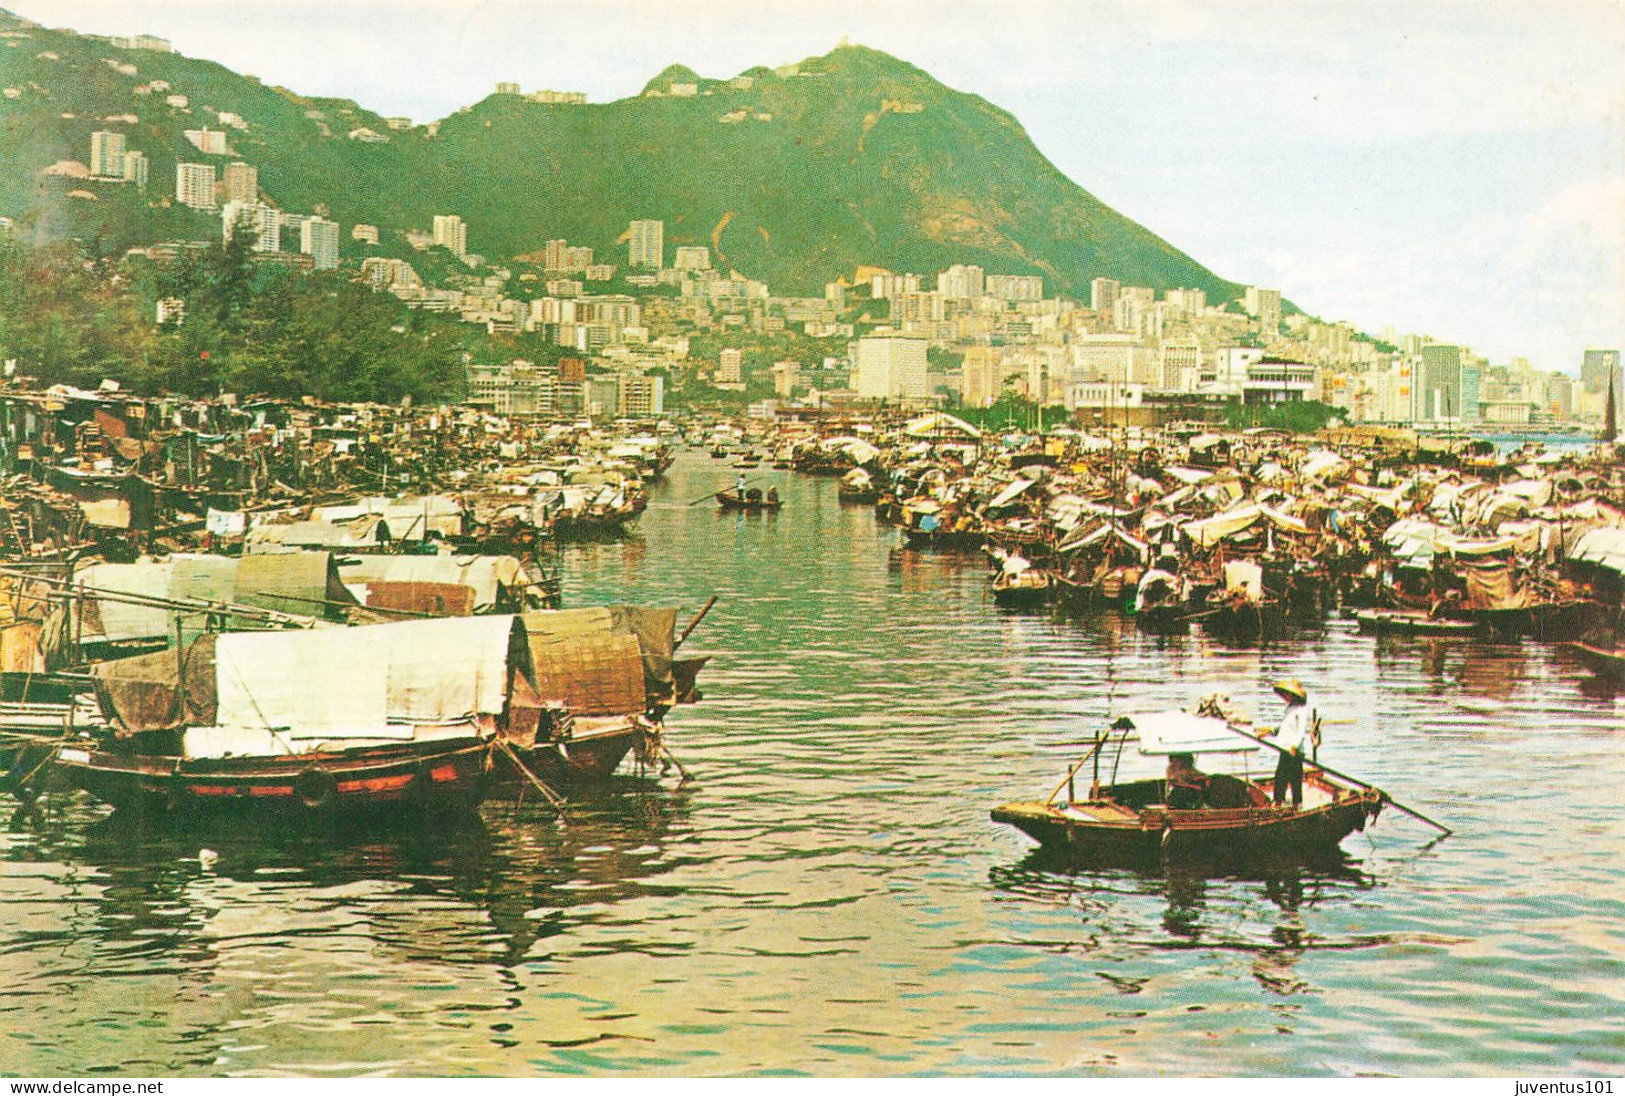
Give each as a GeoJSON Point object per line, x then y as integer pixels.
{"type": "Point", "coordinates": [1294, 736]}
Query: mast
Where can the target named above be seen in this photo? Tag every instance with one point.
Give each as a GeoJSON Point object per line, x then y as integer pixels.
{"type": "Point", "coordinates": [1610, 419]}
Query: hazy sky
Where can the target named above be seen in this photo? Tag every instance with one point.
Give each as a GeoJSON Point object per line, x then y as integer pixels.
{"type": "Point", "coordinates": [1453, 168]}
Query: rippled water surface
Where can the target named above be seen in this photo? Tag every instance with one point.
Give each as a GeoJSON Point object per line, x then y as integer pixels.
{"type": "Point", "coordinates": [828, 895]}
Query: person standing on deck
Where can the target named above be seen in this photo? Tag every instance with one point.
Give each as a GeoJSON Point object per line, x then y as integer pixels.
{"type": "Point", "coordinates": [1293, 736]}
{"type": "Point", "coordinates": [739, 485]}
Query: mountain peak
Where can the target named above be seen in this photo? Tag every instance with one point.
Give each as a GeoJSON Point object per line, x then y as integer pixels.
{"type": "Point", "coordinates": [862, 62]}
{"type": "Point", "coordinates": [673, 74]}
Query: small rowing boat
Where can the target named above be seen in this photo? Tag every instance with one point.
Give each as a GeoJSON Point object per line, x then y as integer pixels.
{"type": "Point", "coordinates": [1202, 816]}
{"type": "Point", "coordinates": [750, 500]}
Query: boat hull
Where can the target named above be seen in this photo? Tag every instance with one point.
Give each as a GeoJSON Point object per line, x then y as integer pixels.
{"type": "Point", "coordinates": [1411, 622]}
{"type": "Point", "coordinates": [580, 759]}
{"type": "Point", "coordinates": [429, 777]}
{"type": "Point", "coordinates": [729, 501]}
{"type": "Point", "coordinates": [1607, 664]}
{"type": "Point", "coordinates": [1108, 833]}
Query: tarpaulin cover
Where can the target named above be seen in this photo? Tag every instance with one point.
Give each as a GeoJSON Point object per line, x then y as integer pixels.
{"type": "Point", "coordinates": [159, 691]}
{"type": "Point", "coordinates": [1493, 588]}
{"type": "Point", "coordinates": [407, 518]}
{"type": "Point", "coordinates": [652, 627]}
{"type": "Point", "coordinates": [486, 576]}
{"type": "Point", "coordinates": [434, 599]}
{"type": "Point", "coordinates": [1602, 547]}
{"type": "Point", "coordinates": [1009, 494]}
{"type": "Point", "coordinates": [1209, 531]}
{"type": "Point", "coordinates": [362, 531]}
{"type": "Point", "coordinates": [1182, 732]}
{"type": "Point", "coordinates": [938, 422]}
{"type": "Point", "coordinates": [117, 621]}
{"type": "Point", "coordinates": [352, 682]}
{"type": "Point", "coordinates": [594, 673]}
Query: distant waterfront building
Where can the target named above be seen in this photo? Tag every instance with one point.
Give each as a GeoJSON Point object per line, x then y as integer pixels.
{"type": "Point", "coordinates": [641, 397]}
{"type": "Point", "coordinates": [1438, 390]}
{"type": "Point", "coordinates": [240, 183]}
{"type": "Point", "coordinates": [1103, 294]}
{"type": "Point", "coordinates": [194, 185]}
{"type": "Point", "coordinates": [451, 233]}
{"type": "Point", "coordinates": [365, 234]}
{"type": "Point", "coordinates": [319, 238]}
{"type": "Point", "coordinates": [136, 168]}
{"type": "Point", "coordinates": [505, 87]}
{"type": "Point", "coordinates": [731, 366]}
{"type": "Point", "coordinates": [1596, 366]}
{"type": "Point", "coordinates": [693, 258]}
{"type": "Point", "coordinates": [646, 245]}
{"type": "Point", "coordinates": [892, 367]}
{"type": "Point", "coordinates": [107, 155]}
{"type": "Point", "coordinates": [1558, 401]}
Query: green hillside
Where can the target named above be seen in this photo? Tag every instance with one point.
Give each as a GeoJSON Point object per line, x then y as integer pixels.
{"type": "Point", "coordinates": [850, 158]}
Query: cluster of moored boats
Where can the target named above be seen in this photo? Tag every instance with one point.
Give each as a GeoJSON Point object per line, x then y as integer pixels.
{"type": "Point", "coordinates": [366, 620]}
{"type": "Point", "coordinates": [1247, 534]}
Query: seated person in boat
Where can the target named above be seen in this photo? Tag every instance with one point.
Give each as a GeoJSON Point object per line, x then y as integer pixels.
{"type": "Point", "coordinates": [1187, 785]}
{"type": "Point", "coordinates": [772, 494]}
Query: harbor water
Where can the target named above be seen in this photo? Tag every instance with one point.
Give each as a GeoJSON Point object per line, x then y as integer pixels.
{"type": "Point", "coordinates": [828, 896]}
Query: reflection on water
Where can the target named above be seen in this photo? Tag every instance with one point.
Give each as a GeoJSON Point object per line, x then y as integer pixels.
{"type": "Point", "coordinates": [829, 897]}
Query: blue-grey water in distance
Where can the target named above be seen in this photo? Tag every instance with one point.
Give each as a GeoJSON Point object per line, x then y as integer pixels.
{"type": "Point", "coordinates": [828, 896]}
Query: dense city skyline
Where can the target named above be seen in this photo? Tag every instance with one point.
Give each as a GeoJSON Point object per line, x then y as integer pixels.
{"type": "Point", "coordinates": [1448, 170]}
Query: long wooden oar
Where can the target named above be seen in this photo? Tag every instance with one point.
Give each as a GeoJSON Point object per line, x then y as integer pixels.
{"type": "Point", "coordinates": [1446, 830]}
{"type": "Point", "coordinates": [725, 490]}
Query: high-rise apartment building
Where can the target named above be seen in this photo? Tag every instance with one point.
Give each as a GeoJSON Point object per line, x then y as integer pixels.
{"type": "Point", "coordinates": [240, 183]}
{"type": "Point", "coordinates": [1438, 388]}
{"type": "Point", "coordinates": [646, 245]}
{"type": "Point", "coordinates": [961, 282]}
{"type": "Point", "coordinates": [265, 221]}
{"type": "Point", "coordinates": [319, 238]}
{"type": "Point", "coordinates": [1015, 287]}
{"type": "Point", "coordinates": [886, 286]}
{"type": "Point", "coordinates": [892, 367]}
{"type": "Point", "coordinates": [194, 185]}
{"type": "Point", "coordinates": [1265, 306]}
{"type": "Point", "coordinates": [107, 154]}
{"type": "Point", "coordinates": [451, 233]}
{"type": "Point", "coordinates": [731, 366]}
{"type": "Point", "coordinates": [693, 258]}
{"type": "Point", "coordinates": [1596, 366]}
{"type": "Point", "coordinates": [136, 168]}
{"type": "Point", "coordinates": [1103, 294]}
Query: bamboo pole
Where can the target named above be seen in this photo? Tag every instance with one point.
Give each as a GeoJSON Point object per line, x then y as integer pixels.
{"type": "Point", "coordinates": [1445, 830]}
